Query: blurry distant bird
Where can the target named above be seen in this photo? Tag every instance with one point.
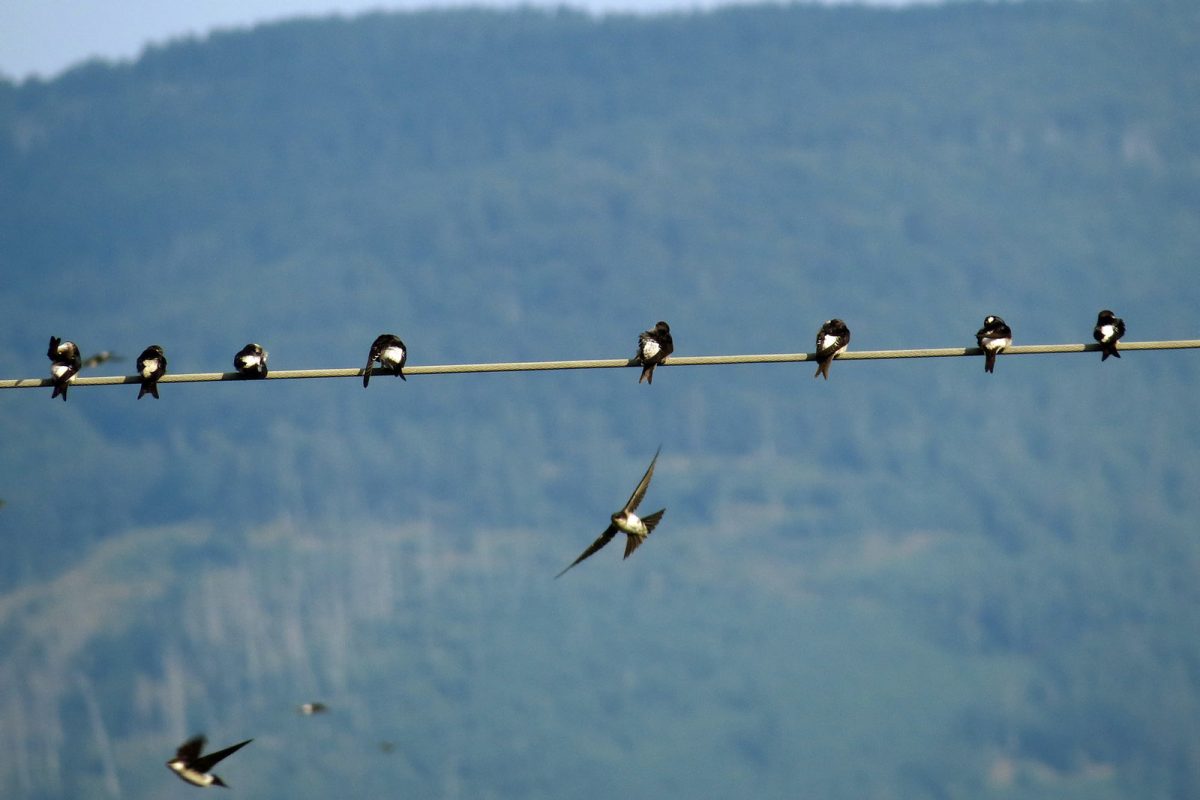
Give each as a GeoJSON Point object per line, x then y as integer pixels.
{"type": "Point", "coordinates": [102, 357]}
{"type": "Point", "coordinates": [635, 529]}
{"type": "Point", "coordinates": [993, 337]}
{"type": "Point", "coordinates": [194, 768]}
{"type": "Point", "coordinates": [64, 364]}
{"type": "Point", "coordinates": [251, 361]}
{"type": "Point", "coordinates": [832, 339]}
{"type": "Point", "coordinates": [1109, 329]}
{"type": "Point", "coordinates": [308, 709]}
{"type": "Point", "coordinates": [653, 348]}
{"type": "Point", "coordinates": [151, 365]}
{"type": "Point", "coordinates": [386, 746]}
{"type": "Point", "coordinates": [391, 354]}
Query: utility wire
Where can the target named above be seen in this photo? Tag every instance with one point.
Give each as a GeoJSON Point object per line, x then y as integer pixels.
{"type": "Point", "coordinates": [676, 361]}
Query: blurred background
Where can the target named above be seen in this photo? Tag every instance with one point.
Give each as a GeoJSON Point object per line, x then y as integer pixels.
{"type": "Point", "coordinates": [914, 580]}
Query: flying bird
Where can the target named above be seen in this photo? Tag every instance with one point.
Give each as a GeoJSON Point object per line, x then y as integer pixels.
{"type": "Point", "coordinates": [1109, 329]}
{"type": "Point", "coordinates": [251, 361]}
{"type": "Point", "coordinates": [635, 528]}
{"type": "Point", "coordinates": [391, 354]}
{"type": "Point", "coordinates": [308, 709]}
{"type": "Point", "coordinates": [993, 337]}
{"type": "Point", "coordinates": [196, 769]}
{"type": "Point", "coordinates": [64, 364]}
{"type": "Point", "coordinates": [96, 359]}
{"type": "Point", "coordinates": [152, 365]}
{"type": "Point", "coordinates": [653, 348]}
{"type": "Point", "coordinates": [832, 339]}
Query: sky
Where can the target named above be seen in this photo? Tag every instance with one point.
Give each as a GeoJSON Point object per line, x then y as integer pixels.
{"type": "Point", "coordinates": [45, 37]}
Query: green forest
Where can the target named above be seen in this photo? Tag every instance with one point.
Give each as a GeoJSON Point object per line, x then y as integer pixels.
{"type": "Point", "coordinates": [913, 580]}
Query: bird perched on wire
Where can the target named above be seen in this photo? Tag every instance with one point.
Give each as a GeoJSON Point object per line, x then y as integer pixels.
{"type": "Point", "coordinates": [64, 365]}
{"type": "Point", "coordinates": [1109, 329]}
{"type": "Point", "coordinates": [196, 769]}
{"type": "Point", "coordinates": [152, 365]}
{"type": "Point", "coordinates": [635, 528]}
{"type": "Point", "coordinates": [391, 354]}
{"type": "Point", "coordinates": [103, 357]}
{"type": "Point", "coordinates": [993, 337]}
{"type": "Point", "coordinates": [654, 346]}
{"type": "Point", "coordinates": [251, 361]}
{"type": "Point", "coordinates": [832, 339]}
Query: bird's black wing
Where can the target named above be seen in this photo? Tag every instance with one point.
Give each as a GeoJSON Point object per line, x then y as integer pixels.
{"type": "Point", "coordinates": [636, 498]}
{"type": "Point", "coordinates": [371, 358]}
{"type": "Point", "coordinates": [212, 759]}
{"type": "Point", "coordinates": [604, 539]}
{"type": "Point", "coordinates": [189, 751]}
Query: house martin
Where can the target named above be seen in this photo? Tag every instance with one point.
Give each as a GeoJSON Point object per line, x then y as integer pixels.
{"type": "Point", "coordinates": [196, 769]}
{"type": "Point", "coordinates": [151, 365]}
{"type": "Point", "coordinates": [832, 339]}
{"type": "Point", "coordinates": [1109, 329]}
{"type": "Point", "coordinates": [251, 362]}
{"type": "Point", "coordinates": [103, 357]}
{"type": "Point", "coordinates": [635, 528]}
{"type": "Point", "coordinates": [653, 348]}
{"type": "Point", "coordinates": [993, 337]}
{"type": "Point", "coordinates": [64, 364]}
{"type": "Point", "coordinates": [391, 354]}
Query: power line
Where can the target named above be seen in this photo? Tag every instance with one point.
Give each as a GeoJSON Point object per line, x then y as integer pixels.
{"type": "Point", "coordinates": [612, 363]}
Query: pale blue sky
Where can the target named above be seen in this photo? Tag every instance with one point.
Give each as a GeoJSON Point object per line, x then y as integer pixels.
{"type": "Point", "coordinates": [44, 37]}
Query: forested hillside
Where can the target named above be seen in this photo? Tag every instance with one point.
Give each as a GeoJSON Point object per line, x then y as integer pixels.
{"type": "Point", "coordinates": [912, 580]}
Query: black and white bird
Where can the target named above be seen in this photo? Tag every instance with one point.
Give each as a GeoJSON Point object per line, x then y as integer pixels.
{"type": "Point", "coordinates": [832, 339]}
{"type": "Point", "coordinates": [635, 528]}
{"type": "Point", "coordinates": [653, 348]}
{"type": "Point", "coordinates": [1109, 330]}
{"type": "Point", "coordinates": [103, 357]}
{"type": "Point", "coordinates": [308, 709]}
{"type": "Point", "coordinates": [993, 337]}
{"type": "Point", "coordinates": [151, 365]}
{"type": "Point", "coordinates": [391, 354]}
{"type": "Point", "coordinates": [196, 769]}
{"type": "Point", "coordinates": [64, 364]}
{"type": "Point", "coordinates": [251, 361]}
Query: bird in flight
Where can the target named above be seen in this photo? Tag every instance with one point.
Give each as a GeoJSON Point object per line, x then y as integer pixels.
{"type": "Point", "coordinates": [196, 769]}
{"type": "Point", "coordinates": [103, 357]}
{"type": "Point", "coordinates": [635, 528]}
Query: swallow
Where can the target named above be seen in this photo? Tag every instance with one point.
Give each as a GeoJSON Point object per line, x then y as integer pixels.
{"type": "Point", "coordinates": [102, 357]}
{"type": "Point", "coordinates": [152, 365]}
{"type": "Point", "coordinates": [1109, 329]}
{"type": "Point", "coordinates": [993, 337]}
{"type": "Point", "coordinates": [194, 768]}
{"type": "Point", "coordinates": [653, 348]}
{"type": "Point", "coordinates": [391, 354]}
{"type": "Point", "coordinates": [308, 709]}
{"type": "Point", "coordinates": [64, 364]}
{"type": "Point", "coordinates": [635, 529]}
{"type": "Point", "coordinates": [833, 338]}
{"type": "Point", "coordinates": [251, 362]}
